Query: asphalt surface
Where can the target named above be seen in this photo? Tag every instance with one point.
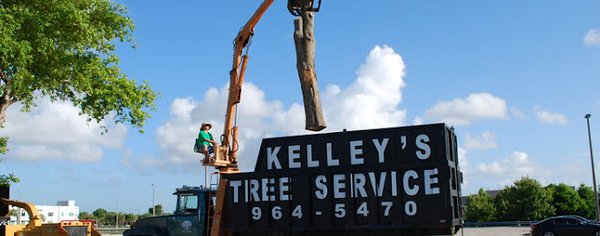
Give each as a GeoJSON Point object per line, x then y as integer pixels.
{"type": "Point", "coordinates": [483, 231]}
{"type": "Point", "coordinates": [495, 231]}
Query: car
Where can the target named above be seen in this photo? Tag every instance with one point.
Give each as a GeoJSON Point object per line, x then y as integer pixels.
{"type": "Point", "coordinates": [568, 225]}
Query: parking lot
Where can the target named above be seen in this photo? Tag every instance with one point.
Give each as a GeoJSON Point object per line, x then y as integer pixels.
{"type": "Point", "coordinates": [495, 231]}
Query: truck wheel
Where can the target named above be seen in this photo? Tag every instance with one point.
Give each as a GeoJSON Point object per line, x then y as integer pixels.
{"type": "Point", "coordinates": [548, 234]}
{"type": "Point", "coordinates": [597, 233]}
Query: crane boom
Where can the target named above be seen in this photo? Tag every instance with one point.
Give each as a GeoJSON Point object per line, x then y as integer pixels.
{"type": "Point", "coordinates": [238, 69]}
{"type": "Point", "coordinates": [226, 153]}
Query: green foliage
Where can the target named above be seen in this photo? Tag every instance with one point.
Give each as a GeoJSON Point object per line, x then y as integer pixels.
{"type": "Point", "coordinates": [158, 208]}
{"type": "Point", "coordinates": [480, 207]}
{"type": "Point", "coordinates": [565, 199]}
{"type": "Point", "coordinates": [99, 213]}
{"type": "Point", "coordinates": [84, 215]}
{"type": "Point", "coordinates": [3, 145]}
{"type": "Point", "coordinates": [526, 200]}
{"type": "Point", "coordinates": [586, 194]}
{"type": "Point", "coordinates": [108, 219]}
{"type": "Point", "coordinates": [6, 180]}
{"type": "Point", "coordinates": [64, 49]}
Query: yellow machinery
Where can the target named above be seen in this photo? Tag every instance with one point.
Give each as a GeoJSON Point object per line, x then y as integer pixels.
{"type": "Point", "coordinates": [36, 228]}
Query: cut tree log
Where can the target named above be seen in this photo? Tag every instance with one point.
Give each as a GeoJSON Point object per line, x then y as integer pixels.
{"type": "Point", "coordinates": [305, 63]}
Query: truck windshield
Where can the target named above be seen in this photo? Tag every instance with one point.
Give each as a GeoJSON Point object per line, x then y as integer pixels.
{"type": "Point", "coordinates": [188, 202]}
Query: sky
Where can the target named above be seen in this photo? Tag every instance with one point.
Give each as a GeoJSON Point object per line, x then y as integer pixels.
{"type": "Point", "coordinates": [514, 78]}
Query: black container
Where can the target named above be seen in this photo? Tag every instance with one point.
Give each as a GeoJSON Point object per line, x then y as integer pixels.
{"type": "Point", "coordinates": [368, 182]}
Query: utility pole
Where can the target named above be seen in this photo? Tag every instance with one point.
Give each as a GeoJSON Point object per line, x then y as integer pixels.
{"type": "Point", "coordinates": [117, 218]}
{"type": "Point", "coordinates": [153, 206]}
{"type": "Point", "coordinates": [587, 117]}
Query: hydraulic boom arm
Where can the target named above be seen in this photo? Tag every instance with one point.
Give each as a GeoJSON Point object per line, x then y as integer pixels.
{"type": "Point", "coordinates": [226, 154]}
{"type": "Point", "coordinates": [238, 69]}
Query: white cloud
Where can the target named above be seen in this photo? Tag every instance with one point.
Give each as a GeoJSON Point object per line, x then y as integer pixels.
{"type": "Point", "coordinates": [548, 117]}
{"type": "Point", "coordinates": [592, 37]}
{"type": "Point", "coordinates": [516, 166]}
{"type": "Point", "coordinates": [465, 168]}
{"type": "Point", "coordinates": [55, 130]}
{"type": "Point", "coordinates": [463, 111]}
{"type": "Point", "coordinates": [371, 101]}
{"type": "Point", "coordinates": [486, 140]}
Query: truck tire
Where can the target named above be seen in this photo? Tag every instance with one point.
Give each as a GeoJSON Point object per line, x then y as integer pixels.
{"type": "Point", "coordinates": [143, 232]}
{"type": "Point", "coordinates": [548, 234]}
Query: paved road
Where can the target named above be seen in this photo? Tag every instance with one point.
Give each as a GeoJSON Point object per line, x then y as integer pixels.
{"type": "Point", "coordinates": [495, 231]}
{"type": "Point", "coordinates": [487, 231]}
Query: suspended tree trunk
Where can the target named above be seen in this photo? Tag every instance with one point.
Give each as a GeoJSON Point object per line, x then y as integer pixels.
{"type": "Point", "coordinates": [305, 63]}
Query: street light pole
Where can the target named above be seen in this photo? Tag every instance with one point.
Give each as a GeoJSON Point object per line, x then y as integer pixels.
{"type": "Point", "coordinates": [153, 206]}
{"type": "Point", "coordinates": [587, 117]}
{"type": "Point", "coordinates": [117, 218]}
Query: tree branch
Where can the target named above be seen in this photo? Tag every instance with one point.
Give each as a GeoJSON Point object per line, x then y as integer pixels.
{"type": "Point", "coordinates": [4, 76]}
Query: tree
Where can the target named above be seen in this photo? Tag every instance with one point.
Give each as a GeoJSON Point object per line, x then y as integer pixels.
{"type": "Point", "coordinates": [84, 215]}
{"type": "Point", "coordinates": [158, 208]}
{"type": "Point", "coordinates": [587, 197]}
{"type": "Point", "coordinates": [565, 199]}
{"type": "Point", "coordinates": [64, 50]}
{"type": "Point", "coordinates": [100, 215]}
{"type": "Point", "coordinates": [129, 218]}
{"type": "Point", "coordinates": [6, 180]}
{"type": "Point", "coordinates": [480, 207]}
{"type": "Point", "coordinates": [526, 200]}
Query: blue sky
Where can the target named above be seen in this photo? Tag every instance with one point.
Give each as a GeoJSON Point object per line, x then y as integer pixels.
{"type": "Point", "coordinates": [515, 78]}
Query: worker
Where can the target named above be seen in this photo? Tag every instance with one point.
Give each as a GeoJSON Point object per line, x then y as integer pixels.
{"type": "Point", "coordinates": [205, 141]}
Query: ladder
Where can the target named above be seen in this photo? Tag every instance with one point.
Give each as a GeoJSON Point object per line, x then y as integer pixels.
{"type": "Point", "coordinates": [213, 184]}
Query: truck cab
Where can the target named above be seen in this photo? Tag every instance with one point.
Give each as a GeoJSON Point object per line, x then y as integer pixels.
{"type": "Point", "coordinates": [191, 216]}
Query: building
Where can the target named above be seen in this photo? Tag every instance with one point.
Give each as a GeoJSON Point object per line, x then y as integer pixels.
{"type": "Point", "coordinates": [63, 210]}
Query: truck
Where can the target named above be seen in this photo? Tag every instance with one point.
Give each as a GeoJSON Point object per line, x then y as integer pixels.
{"type": "Point", "coordinates": [389, 181]}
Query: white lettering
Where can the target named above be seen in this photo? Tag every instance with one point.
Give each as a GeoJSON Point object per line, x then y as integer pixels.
{"type": "Point", "coordinates": [310, 161]}
{"type": "Point", "coordinates": [359, 185]}
{"type": "Point", "coordinates": [293, 155]}
{"type": "Point", "coordinates": [410, 208]}
{"type": "Point", "coordinates": [236, 185]}
{"type": "Point", "coordinates": [284, 187]}
{"type": "Point", "coordinates": [246, 190]}
{"type": "Point", "coordinates": [403, 142]}
{"type": "Point", "coordinates": [411, 191]}
{"type": "Point", "coordinates": [265, 189]}
{"type": "Point", "coordinates": [272, 158]}
{"type": "Point", "coordinates": [425, 151]}
{"type": "Point", "coordinates": [381, 148]}
{"type": "Point", "coordinates": [394, 187]}
{"type": "Point", "coordinates": [271, 189]}
{"type": "Point", "coordinates": [320, 181]}
{"type": "Point", "coordinates": [338, 186]}
{"type": "Point", "coordinates": [355, 150]}
{"type": "Point", "coordinates": [254, 197]}
{"type": "Point", "coordinates": [330, 160]}
{"type": "Point", "coordinates": [378, 188]}
{"type": "Point", "coordinates": [429, 180]}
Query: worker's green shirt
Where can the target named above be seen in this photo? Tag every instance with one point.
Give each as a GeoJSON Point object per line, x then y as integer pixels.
{"type": "Point", "coordinates": [203, 136]}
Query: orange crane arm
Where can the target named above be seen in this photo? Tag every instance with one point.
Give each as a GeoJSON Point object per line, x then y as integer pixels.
{"type": "Point", "coordinates": [237, 72]}
{"type": "Point", "coordinates": [228, 147]}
